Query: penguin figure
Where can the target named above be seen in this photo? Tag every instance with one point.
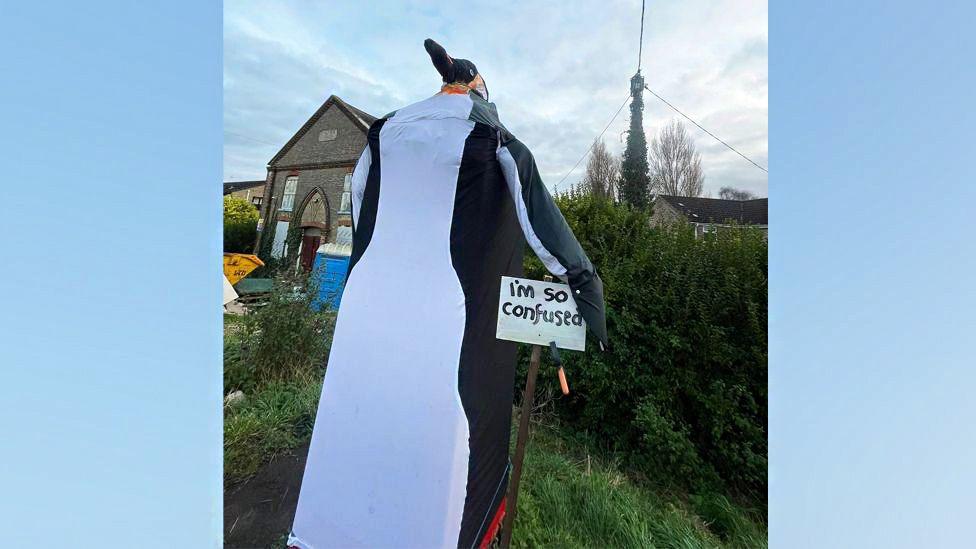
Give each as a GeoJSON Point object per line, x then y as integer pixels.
{"type": "Point", "coordinates": [410, 444]}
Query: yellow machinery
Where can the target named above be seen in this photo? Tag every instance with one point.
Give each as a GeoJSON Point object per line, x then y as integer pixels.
{"type": "Point", "coordinates": [237, 266]}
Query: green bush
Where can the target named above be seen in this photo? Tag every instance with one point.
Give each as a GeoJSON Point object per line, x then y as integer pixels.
{"type": "Point", "coordinates": [276, 355]}
{"type": "Point", "coordinates": [283, 338]}
{"type": "Point", "coordinates": [682, 389]}
{"type": "Point", "coordinates": [238, 372]}
{"type": "Point", "coordinates": [240, 225]}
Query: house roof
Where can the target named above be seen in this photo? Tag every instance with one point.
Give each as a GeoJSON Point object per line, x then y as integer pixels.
{"type": "Point", "coordinates": [234, 186]}
{"type": "Point", "coordinates": [360, 118]}
{"type": "Point", "coordinates": [718, 210]}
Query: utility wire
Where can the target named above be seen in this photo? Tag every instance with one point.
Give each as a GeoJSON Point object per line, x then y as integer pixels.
{"type": "Point", "coordinates": [640, 45]}
{"type": "Point", "coordinates": [252, 138]}
{"type": "Point", "coordinates": [733, 149]}
{"type": "Point", "coordinates": [594, 142]}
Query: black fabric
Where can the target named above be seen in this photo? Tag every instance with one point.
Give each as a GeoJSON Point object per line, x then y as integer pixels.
{"type": "Point", "coordinates": [451, 70]}
{"type": "Point", "coordinates": [549, 224]}
{"type": "Point", "coordinates": [486, 113]}
{"type": "Point", "coordinates": [486, 244]}
{"type": "Point", "coordinates": [464, 71]}
{"type": "Point", "coordinates": [554, 233]}
{"type": "Point", "coordinates": [362, 231]}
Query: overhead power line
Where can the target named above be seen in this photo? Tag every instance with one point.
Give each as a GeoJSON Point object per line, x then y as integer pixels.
{"type": "Point", "coordinates": [252, 138]}
{"type": "Point", "coordinates": [594, 142]}
{"type": "Point", "coordinates": [640, 45]}
{"type": "Point", "coordinates": [731, 148]}
{"type": "Point", "coordinates": [640, 50]}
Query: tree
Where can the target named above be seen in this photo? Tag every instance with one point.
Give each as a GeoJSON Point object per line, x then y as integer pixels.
{"type": "Point", "coordinates": [675, 164]}
{"type": "Point", "coordinates": [602, 172]}
{"type": "Point", "coordinates": [635, 184]}
{"type": "Point", "coordinates": [240, 225]}
{"type": "Point", "coordinates": [731, 193]}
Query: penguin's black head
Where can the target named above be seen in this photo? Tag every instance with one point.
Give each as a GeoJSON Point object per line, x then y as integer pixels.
{"type": "Point", "coordinates": [455, 71]}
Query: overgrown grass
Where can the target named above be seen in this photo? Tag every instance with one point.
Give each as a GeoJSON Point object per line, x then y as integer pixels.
{"type": "Point", "coordinates": [572, 499]}
{"type": "Point", "coordinates": [277, 417]}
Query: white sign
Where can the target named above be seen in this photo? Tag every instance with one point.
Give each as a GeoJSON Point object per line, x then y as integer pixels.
{"type": "Point", "coordinates": [229, 293]}
{"type": "Point", "coordinates": [531, 311]}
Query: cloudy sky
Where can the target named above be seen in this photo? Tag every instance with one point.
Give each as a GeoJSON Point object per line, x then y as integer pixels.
{"type": "Point", "coordinates": [557, 72]}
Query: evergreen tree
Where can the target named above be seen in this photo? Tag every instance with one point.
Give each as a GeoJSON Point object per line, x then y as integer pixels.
{"type": "Point", "coordinates": [635, 183]}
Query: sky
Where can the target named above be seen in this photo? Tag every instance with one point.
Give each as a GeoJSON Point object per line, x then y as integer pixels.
{"type": "Point", "coordinates": [557, 75]}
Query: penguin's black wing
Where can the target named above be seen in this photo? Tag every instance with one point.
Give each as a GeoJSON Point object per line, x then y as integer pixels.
{"type": "Point", "coordinates": [357, 187]}
{"type": "Point", "coordinates": [549, 235]}
{"type": "Point", "coordinates": [364, 192]}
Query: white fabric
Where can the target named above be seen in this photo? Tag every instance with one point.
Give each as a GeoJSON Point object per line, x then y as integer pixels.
{"type": "Point", "coordinates": [510, 169]}
{"type": "Point", "coordinates": [358, 184]}
{"type": "Point", "coordinates": [387, 465]}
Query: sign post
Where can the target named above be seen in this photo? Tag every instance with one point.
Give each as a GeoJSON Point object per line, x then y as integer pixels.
{"type": "Point", "coordinates": [540, 313]}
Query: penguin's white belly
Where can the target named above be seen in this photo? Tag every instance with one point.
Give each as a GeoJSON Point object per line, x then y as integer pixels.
{"type": "Point", "coordinates": [388, 461]}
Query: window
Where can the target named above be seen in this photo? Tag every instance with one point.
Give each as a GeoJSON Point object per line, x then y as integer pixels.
{"type": "Point", "coordinates": [328, 135]}
{"type": "Point", "coordinates": [345, 205]}
{"type": "Point", "coordinates": [279, 246]}
{"type": "Point", "coordinates": [256, 200]}
{"type": "Point", "coordinates": [288, 200]}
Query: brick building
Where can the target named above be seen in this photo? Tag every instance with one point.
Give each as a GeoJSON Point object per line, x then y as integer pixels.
{"type": "Point", "coordinates": [252, 191]}
{"type": "Point", "coordinates": [308, 183]}
{"type": "Point", "coordinates": [711, 214]}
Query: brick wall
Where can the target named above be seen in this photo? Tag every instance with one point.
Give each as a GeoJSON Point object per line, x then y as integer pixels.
{"type": "Point", "coordinates": [305, 159]}
{"type": "Point", "coordinates": [249, 194]}
{"type": "Point", "coordinates": [664, 214]}
{"type": "Point", "coordinates": [347, 146]}
{"type": "Point", "coordinates": [329, 180]}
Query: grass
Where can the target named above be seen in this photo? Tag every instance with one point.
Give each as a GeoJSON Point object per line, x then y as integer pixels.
{"type": "Point", "coordinates": [568, 498]}
{"type": "Point", "coordinates": [277, 417]}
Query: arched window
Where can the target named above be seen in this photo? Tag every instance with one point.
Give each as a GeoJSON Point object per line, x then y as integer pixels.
{"type": "Point", "coordinates": [288, 199]}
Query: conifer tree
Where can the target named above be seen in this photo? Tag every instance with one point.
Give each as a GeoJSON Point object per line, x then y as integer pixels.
{"type": "Point", "coordinates": [635, 183]}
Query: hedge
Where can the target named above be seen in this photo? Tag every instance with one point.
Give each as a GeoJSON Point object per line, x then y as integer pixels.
{"type": "Point", "coordinates": [681, 391]}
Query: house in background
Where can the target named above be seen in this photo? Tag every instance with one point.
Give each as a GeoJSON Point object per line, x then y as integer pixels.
{"type": "Point", "coordinates": [307, 188]}
{"type": "Point", "coordinates": [252, 191]}
{"type": "Point", "coordinates": [711, 214]}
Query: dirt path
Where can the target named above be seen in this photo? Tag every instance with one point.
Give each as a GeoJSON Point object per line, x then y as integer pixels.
{"type": "Point", "coordinates": [258, 512]}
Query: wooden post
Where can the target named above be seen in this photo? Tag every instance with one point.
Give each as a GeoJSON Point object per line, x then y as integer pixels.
{"type": "Point", "coordinates": [523, 434]}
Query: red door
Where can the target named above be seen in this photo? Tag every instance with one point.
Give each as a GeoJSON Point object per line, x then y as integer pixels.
{"type": "Point", "coordinates": [310, 245]}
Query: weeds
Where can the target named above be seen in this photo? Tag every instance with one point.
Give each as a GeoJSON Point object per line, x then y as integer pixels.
{"type": "Point", "coordinates": [278, 417]}
{"type": "Point", "coordinates": [276, 356]}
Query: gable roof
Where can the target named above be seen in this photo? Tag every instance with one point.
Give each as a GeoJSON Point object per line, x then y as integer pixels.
{"type": "Point", "coordinates": [360, 118]}
{"type": "Point", "coordinates": [718, 210]}
{"type": "Point", "coordinates": [234, 186]}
